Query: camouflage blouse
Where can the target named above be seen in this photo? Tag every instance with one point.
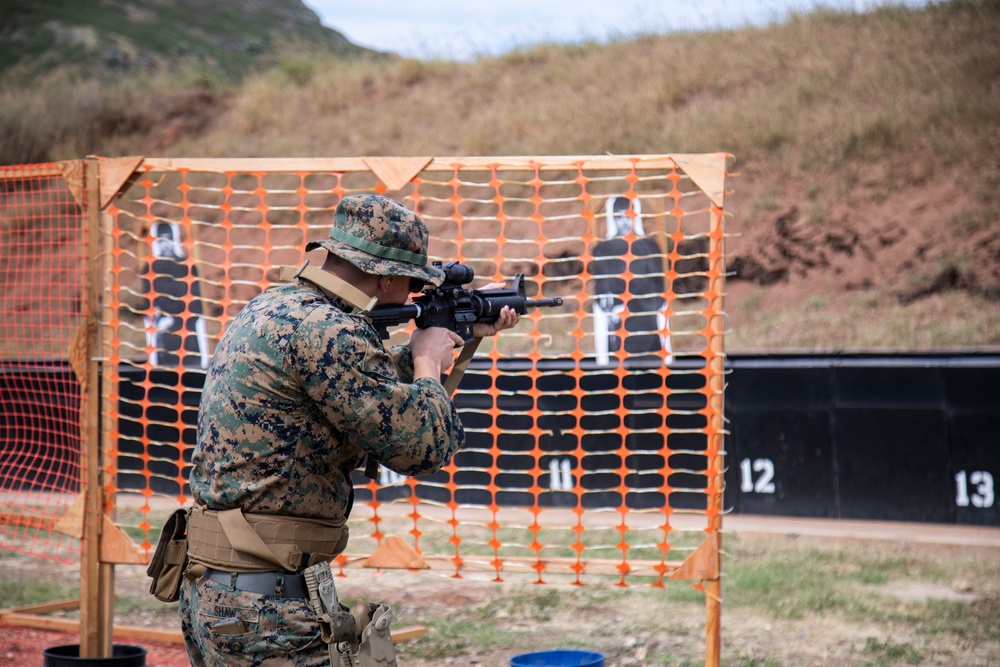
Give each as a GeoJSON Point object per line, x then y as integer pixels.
{"type": "Point", "coordinates": [297, 393]}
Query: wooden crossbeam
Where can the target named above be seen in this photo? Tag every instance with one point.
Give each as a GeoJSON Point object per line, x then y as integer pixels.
{"type": "Point", "coordinates": [22, 617]}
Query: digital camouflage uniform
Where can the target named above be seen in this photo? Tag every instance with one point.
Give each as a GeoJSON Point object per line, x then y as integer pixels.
{"type": "Point", "coordinates": [298, 392]}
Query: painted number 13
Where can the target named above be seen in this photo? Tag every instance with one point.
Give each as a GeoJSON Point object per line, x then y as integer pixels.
{"type": "Point", "coordinates": [982, 483]}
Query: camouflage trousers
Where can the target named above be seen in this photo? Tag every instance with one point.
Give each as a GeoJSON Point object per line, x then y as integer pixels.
{"type": "Point", "coordinates": [270, 631]}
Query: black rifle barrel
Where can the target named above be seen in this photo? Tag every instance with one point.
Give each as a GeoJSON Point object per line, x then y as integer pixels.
{"type": "Point", "coordinates": [544, 303]}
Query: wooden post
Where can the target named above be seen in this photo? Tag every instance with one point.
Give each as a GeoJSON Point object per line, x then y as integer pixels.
{"type": "Point", "coordinates": [95, 616]}
{"type": "Point", "coordinates": [106, 581]}
{"type": "Point", "coordinates": [717, 361]}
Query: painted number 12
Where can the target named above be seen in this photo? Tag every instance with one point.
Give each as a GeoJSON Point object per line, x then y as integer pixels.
{"type": "Point", "coordinates": [764, 483]}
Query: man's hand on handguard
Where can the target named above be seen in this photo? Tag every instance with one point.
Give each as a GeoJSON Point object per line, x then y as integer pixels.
{"type": "Point", "coordinates": [507, 319]}
{"type": "Point", "coordinates": [433, 348]}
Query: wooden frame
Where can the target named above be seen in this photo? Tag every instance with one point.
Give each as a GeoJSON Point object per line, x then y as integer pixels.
{"type": "Point", "coordinates": [104, 544]}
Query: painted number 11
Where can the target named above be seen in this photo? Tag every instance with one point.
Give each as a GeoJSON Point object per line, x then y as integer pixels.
{"type": "Point", "coordinates": [981, 482]}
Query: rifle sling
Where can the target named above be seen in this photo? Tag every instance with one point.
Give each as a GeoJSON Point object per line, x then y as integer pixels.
{"type": "Point", "coordinates": [331, 283]}
{"type": "Point", "coordinates": [464, 357]}
{"type": "Point", "coordinates": [244, 538]}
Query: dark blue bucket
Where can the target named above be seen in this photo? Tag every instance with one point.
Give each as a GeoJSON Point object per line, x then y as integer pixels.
{"type": "Point", "coordinates": [68, 655]}
{"type": "Point", "coordinates": [558, 658]}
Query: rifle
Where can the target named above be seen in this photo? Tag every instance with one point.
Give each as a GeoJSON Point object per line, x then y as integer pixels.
{"type": "Point", "coordinates": [455, 307]}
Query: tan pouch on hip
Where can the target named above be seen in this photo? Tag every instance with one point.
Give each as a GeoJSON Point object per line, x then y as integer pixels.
{"type": "Point", "coordinates": [170, 558]}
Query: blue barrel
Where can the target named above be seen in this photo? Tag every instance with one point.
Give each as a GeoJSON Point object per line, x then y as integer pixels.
{"type": "Point", "coordinates": [558, 658]}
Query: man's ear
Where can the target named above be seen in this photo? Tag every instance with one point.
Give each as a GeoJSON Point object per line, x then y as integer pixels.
{"type": "Point", "coordinates": [384, 282]}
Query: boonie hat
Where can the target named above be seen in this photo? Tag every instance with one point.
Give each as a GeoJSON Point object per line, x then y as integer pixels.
{"type": "Point", "coordinates": [381, 237]}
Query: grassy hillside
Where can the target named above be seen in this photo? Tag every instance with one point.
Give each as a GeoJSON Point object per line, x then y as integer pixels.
{"type": "Point", "coordinates": [866, 206]}
{"type": "Point", "coordinates": [101, 37]}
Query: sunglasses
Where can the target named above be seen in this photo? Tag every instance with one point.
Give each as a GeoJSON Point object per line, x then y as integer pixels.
{"type": "Point", "coordinates": [417, 285]}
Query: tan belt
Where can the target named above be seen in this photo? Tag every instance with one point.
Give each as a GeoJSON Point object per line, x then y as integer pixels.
{"type": "Point", "coordinates": [248, 542]}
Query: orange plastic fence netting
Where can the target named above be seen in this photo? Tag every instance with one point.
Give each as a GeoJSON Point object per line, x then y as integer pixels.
{"type": "Point", "coordinates": [42, 266]}
{"type": "Point", "coordinates": [594, 429]}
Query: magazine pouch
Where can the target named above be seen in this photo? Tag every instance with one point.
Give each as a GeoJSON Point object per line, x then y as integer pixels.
{"type": "Point", "coordinates": [170, 558]}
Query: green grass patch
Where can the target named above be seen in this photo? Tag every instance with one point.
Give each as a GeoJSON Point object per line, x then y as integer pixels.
{"type": "Point", "coordinates": [130, 606]}
{"type": "Point", "coordinates": [891, 653]}
{"type": "Point", "coordinates": [451, 637]}
{"type": "Point", "coordinates": [974, 621]}
{"type": "Point", "coordinates": [25, 591]}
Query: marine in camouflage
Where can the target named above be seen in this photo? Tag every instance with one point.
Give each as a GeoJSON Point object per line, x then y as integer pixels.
{"type": "Point", "coordinates": [299, 391]}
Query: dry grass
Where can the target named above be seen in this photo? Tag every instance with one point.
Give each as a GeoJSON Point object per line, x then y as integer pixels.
{"type": "Point", "coordinates": [870, 321]}
{"type": "Point", "coordinates": [825, 109]}
{"type": "Point", "coordinates": [813, 93]}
